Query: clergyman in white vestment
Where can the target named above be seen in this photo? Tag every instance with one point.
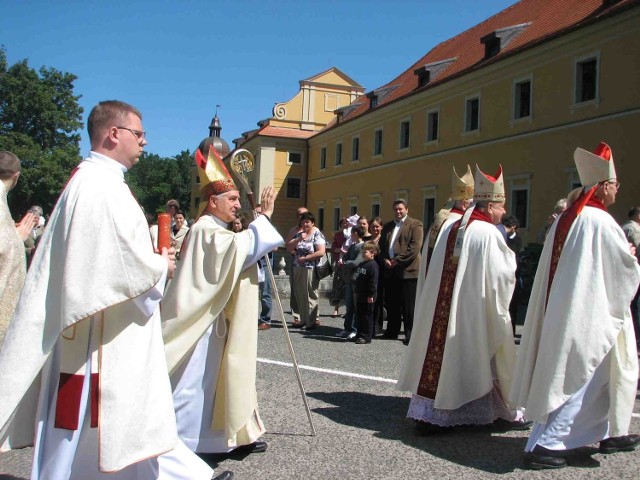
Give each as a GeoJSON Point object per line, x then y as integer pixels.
{"type": "Point", "coordinates": [208, 318]}
{"type": "Point", "coordinates": [82, 370]}
{"type": "Point", "coordinates": [577, 369]}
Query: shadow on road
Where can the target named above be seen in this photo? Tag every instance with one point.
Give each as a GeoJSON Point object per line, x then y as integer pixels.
{"type": "Point", "coordinates": [480, 448]}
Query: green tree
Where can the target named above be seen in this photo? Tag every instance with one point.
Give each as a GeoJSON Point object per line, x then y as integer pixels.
{"type": "Point", "coordinates": [39, 122]}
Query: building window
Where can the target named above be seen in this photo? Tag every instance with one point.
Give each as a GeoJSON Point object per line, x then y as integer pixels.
{"type": "Point", "coordinates": [377, 142]}
{"type": "Point", "coordinates": [294, 157]}
{"type": "Point", "coordinates": [472, 114]}
{"type": "Point", "coordinates": [293, 188]}
{"type": "Point", "coordinates": [323, 158]}
{"type": "Point", "coordinates": [586, 82]}
{"type": "Point", "coordinates": [338, 154]}
{"type": "Point", "coordinates": [405, 133]}
{"type": "Point", "coordinates": [522, 99]}
{"type": "Point", "coordinates": [375, 210]}
{"type": "Point", "coordinates": [197, 178]}
{"type": "Point", "coordinates": [520, 205]}
{"type": "Point", "coordinates": [355, 149]}
{"type": "Point", "coordinates": [197, 202]}
{"type": "Point", "coordinates": [429, 212]}
{"type": "Point", "coordinates": [373, 101]}
{"type": "Point", "coordinates": [432, 126]}
{"type": "Point", "coordinates": [320, 218]}
{"type": "Point", "coordinates": [336, 219]}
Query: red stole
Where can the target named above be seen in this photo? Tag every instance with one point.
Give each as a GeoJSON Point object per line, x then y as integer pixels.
{"type": "Point", "coordinates": [430, 250]}
{"type": "Point", "coordinates": [564, 225]}
{"type": "Point", "coordinates": [430, 376]}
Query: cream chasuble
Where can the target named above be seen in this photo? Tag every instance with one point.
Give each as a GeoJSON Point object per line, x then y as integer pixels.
{"type": "Point", "coordinates": [478, 343]}
{"type": "Point", "coordinates": [586, 318]}
{"type": "Point", "coordinates": [13, 264]}
{"type": "Point", "coordinates": [94, 259]}
{"type": "Point", "coordinates": [210, 314]}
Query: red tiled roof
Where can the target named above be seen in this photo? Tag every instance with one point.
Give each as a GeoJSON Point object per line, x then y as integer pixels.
{"type": "Point", "coordinates": [271, 131]}
{"type": "Point", "coordinates": [546, 19]}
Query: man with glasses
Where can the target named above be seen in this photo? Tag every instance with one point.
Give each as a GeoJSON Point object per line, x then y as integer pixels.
{"type": "Point", "coordinates": [85, 344]}
{"type": "Point", "coordinates": [577, 369]}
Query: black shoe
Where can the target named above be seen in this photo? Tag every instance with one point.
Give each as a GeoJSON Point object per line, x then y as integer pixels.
{"type": "Point", "coordinates": [226, 475]}
{"type": "Point", "coordinates": [390, 337]}
{"type": "Point", "coordinates": [542, 458]}
{"type": "Point", "coordinates": [426, 428]}
{"type": "Point", "coordinates": [625, 443]}
{"type": "Point", "coordinates": [362, 341]}
{"type": "Point", "coordinates": [255, 447]}
{"type": "Point", "coordinates": [505, 425]}
{"type": "Point", "coordinates": [406, 341]}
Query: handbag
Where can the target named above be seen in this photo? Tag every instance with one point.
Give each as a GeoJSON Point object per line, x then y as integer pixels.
{"type": "Point", "coordinates": [323, 268]}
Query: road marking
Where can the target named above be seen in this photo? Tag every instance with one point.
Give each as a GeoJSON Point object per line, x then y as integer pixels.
{"type": "Point", "coordinates": [326, 370]}
{"type": "Point", "coordinates": [348, 374]}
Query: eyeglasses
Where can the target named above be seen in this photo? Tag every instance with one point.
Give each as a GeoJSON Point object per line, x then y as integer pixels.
{"type": "Point", "coordinates": [139, 134]}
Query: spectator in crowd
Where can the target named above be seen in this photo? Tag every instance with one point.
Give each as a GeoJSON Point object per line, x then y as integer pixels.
{"type": "Point", "coordinates": [364, 223]}
{"type": "Point", "coordinates": [266, 293]}
{"type": "Point", "coordinates": [577, 369]}
{"type": "Point", "coordinates": [338, 285]}
{"type": "Point", "coordinates": [293, 303]}
{"type": "Point", "coordinates": [31, 242]}
{"type": "Point", "coordinates": [375, 229]}
{"type": "Point", "coordinates": [13, 265]}
{"type": "Point", "coordinates": [172, 207]}
{"type": "Point", "coordinates": [309, 246]}
{"type": "Point", "coordinates": [400, 250]}
{"type": "Point", "coordinates": [350, 262]}
{"type": "Point", "coordinates": [178, 231]}
{"type": "Point", "coordinates": [459, 362]}
{"type": "Point", "coordinates": [511, 225]}
{"type": "Point", "coordinates": [631, 230]}
{"type": "Point", "coordinates": [366, 289]}
{"type": "Point", "coordinates": [560, 206]}
{"type": "Point", "coordinates": [238, 224]}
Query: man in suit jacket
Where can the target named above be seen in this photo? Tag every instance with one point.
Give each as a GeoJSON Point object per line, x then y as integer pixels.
{"type": "Point", "coordinates": [400, 245]}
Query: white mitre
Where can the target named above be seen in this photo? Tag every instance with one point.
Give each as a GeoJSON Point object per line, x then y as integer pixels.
{"type": "Point", "coordinates": [594, 167]}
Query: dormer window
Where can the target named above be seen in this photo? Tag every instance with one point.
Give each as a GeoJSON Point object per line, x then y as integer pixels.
{"type": "Point", "coordinates": [497, 40]}
{"type": "Point", "coordinates": [373, 101]}
{"type": "Point", "coordinates": [339, 115]}
{"type": "Point", "coordinates": [424, 76]}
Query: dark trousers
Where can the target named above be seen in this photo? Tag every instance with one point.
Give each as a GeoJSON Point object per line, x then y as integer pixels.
{"type": "Point", "coordinates": [399, 299]}
{"type": "Point", "coordinates": [635, 316]}
{"type": "Point", "coordinates": [364, 316]}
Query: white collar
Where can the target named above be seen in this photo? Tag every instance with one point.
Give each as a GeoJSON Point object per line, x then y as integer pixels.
{"type": "Point", "coordinates": [108, 162]}
{"type": "Point", "coordinates": [401, 221]}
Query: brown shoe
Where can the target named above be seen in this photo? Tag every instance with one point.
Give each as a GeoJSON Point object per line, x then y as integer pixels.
{"type": "Point", "coordinates": [264, 326]}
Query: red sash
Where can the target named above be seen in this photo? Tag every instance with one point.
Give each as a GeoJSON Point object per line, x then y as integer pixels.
{"type": "Point", "coordinates": [432, 365]}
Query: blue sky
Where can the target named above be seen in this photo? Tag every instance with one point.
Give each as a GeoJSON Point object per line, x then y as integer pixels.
{"type": "Point", "coordinates": [175, 60]}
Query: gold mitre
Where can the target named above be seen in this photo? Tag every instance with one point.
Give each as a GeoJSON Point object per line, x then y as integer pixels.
{"type": "Point", "coordinates": [462, 187]}
{"type": "Point", "coordinates": [214, 176]}
{"type": "Point", "coordinates": [594, 167]}
{"type": "Point", "coordinates": [487, 188]}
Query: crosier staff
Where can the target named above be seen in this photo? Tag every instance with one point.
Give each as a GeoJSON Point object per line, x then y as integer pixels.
{"type": "Point", "coordinates": [242, 163]}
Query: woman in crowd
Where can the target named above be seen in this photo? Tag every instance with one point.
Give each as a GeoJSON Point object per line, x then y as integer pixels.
{"type": "Point", "coordinates": [238, 225]}
{"type": "Point", "coordinates": [178, 232]}
{"type": "Point", "coordinates": [337, 250]}
{"type": "Point", "coordinates": [309, 246]}
{"type": "Point", "coordinates": [375, 228]}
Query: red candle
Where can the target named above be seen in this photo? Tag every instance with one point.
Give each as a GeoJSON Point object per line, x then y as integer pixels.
{"type": "Point", "coordinates": [164, 231]}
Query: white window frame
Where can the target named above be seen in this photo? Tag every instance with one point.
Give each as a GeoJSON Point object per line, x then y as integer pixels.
{"type": "Point", "coordinates": [520, 182]}
{"type": "Point", "coordinates": [374, 199]}
{"type": "Point", "coordinates": [574, 93]}
{"type": "Point", "coordinates": [401, 194]}
{"type": "Point", "coordinates": [323, 149]}
{"type": "Point", "coordinates": [375, 130]}
{"type": "Point", "coordinates": [435, 140]}
{"type": "Point", "coordinates": [286, 191]}
{"type": "Point", "coordinates": [467, 99]}
{"type": "Point", "coordinates": [429, 192]}
{"type": "Point", "coordinates": [353, 139]}
{"type": "Point", "coordinates": [402, 148]}
{"type": "Point", "coordinates": [289, 162]}
{"type": "Point", "coordinates": [515, 99]}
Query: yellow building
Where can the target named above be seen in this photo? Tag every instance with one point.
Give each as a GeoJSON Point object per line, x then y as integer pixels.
{"type": "Point", "coordinates": [523, 89]}
{"type": "Point", "coordinates": [280, 146]}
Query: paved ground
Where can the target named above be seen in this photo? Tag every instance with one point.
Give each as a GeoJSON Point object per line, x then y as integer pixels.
{"type": "Point", "coordinates": [360, 420]}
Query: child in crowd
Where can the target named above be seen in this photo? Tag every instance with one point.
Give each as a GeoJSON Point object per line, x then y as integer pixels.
{"type": "Point", "coordinates": [350, 261]}
{"type": "Point", "coordinates": [366, 291]}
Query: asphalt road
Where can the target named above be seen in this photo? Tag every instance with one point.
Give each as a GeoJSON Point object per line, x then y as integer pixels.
{"type": "Point", "coordinates": [362, 432]}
